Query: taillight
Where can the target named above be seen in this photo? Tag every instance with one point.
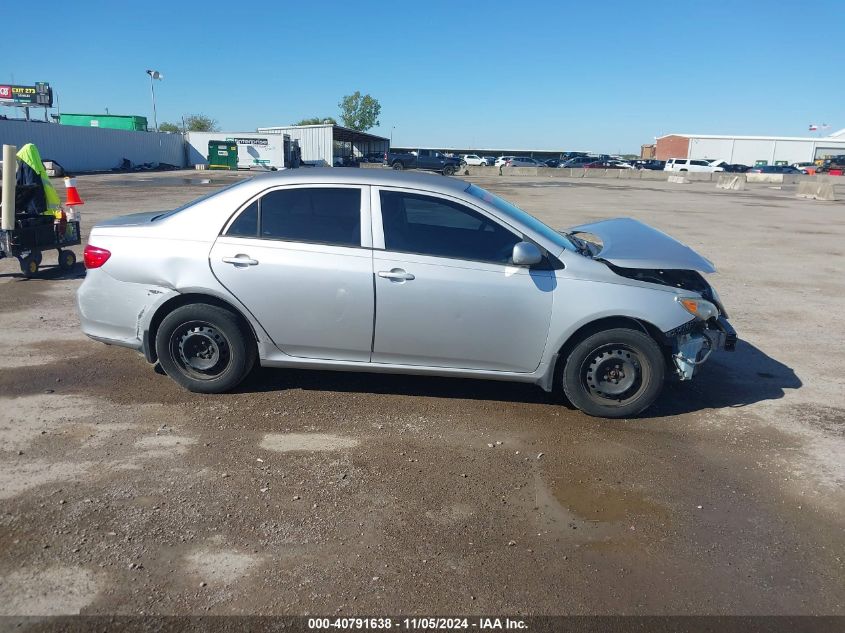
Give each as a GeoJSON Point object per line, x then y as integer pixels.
{"type": "Point", "coordinates": [95, 256]}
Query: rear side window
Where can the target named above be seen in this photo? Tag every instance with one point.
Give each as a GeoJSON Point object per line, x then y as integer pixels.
{"type": "Point", "coordinates": [246, 224]}
{"type": "Point", "coordinates": [700, 163]}
{"type": "Point", "coordinates": [324, 215]}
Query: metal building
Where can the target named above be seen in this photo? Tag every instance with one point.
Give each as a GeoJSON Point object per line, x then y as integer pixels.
{"type": "Point", "coordinates": [328, 144]}
{"type": "Point", "coordinates": [749, 150]}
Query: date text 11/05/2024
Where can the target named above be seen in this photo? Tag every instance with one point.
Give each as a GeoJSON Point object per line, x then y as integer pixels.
{"type": "Point", "coordinates": [418, 624]}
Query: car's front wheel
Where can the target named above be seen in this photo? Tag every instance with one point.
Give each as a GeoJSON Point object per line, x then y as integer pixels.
{"type": "Point", "coordinates": [204, 348]}
{"type": "Point", "coordinates": [449, 170]}
{"type": "Point", "coordinates": [615, 373]}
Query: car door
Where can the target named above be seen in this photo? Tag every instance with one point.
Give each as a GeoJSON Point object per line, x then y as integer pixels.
{"type": "Point", "coordinates": [446, 295]}
{"type": "Point", "coordinates": [299, 258]}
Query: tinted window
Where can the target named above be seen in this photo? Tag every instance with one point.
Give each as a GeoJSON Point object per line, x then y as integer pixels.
{"type": "Point", "coordinates": [433, 226]}
{"type": "Point", "coordinates": [246, 224]}
{"type": "Point", "coordinates": [324, 215]}
{"type": "Point", "coordinates": [700, 163]}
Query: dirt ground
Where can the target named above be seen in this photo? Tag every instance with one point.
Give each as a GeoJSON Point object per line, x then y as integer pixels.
{"type": "Point", "coordinates": [324, 493]}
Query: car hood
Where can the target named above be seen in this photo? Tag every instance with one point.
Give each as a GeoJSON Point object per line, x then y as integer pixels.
{"type": "Point", "coordinates": [629, 243]}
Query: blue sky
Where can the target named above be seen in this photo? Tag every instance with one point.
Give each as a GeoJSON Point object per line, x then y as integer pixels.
{"type": "Point", "coordinates": [604, 76]}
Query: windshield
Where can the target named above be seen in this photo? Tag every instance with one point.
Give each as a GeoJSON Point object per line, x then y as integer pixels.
{"type": "Point", "coordinates": [527, 219]}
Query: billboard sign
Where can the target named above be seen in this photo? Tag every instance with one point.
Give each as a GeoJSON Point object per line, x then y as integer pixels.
{"type": "Point", "coordinates": [39, 95]}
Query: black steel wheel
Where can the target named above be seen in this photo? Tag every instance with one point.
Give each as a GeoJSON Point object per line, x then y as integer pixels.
{"type": "Point", "coordinates": [29, 265]}
{"type": "Point", "coordinates": [205, 348]}
{"type": "Point", "coordinates": [67, 259]}
{"type": "Point", "coordinates": [615, 373]}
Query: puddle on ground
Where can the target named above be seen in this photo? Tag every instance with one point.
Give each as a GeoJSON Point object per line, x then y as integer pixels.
{"type": "Point", "coordinates": [53, 591]}
{"type": "Point", "coordinates": [285, 442]}
{"type": "Point", "coordinates": [603, 503]}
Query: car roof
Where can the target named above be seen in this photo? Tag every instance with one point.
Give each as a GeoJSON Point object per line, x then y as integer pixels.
{"type": "Point", "coordinates": [360, 176]}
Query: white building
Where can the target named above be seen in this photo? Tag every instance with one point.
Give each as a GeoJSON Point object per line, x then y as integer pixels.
{"type": "Point", "coordinates": [748, 150]}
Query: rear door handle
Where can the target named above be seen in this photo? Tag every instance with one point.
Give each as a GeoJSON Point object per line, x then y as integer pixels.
{"type": "Point", "coordinates": [240, 260]}
{"type": "Point", "coordinates": [397, 274]}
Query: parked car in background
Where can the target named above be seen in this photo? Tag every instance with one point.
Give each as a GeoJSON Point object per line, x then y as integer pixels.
{"type": "Point", "coordinates": [393, 272]}
{"type": "Point", "coordinates": [690, 164]}
{"type": "Point", "coordinates": [736, 168]}
{"type": "Point", "coordinates": [806, 168]}
{"type": "Point", "coordinates": [472, 159]}
{"type": "Point", "coordinates": [552, 162]}
{"type": "Point", "coordinates": [502, 160]}
{"type": "Point", "coordinates": [606, 164]}
{"type": "Point", "coordinates": [523, 161]}
{"type": "Point", "coordinates": [489, 160]}
{"type": "Point", "coordinates": [774, 169]}
{"type": "Point", "coordinates": [578, 162]}
{"type": "Point", "coordinates": [423, 159]}
{"type": "Point", "coordinates": [651, 163]}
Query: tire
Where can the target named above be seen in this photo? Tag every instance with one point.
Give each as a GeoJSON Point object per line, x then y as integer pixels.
{"type": "Point", "coordinates": [615, 373]}
{"type": "Point", "coordinates": [449, 170]}
{"type": "Point", "coordinates": [398, 166]}
{"type": "Point", "coordinates": [29, 266]}
{"type": "Point", "coordinates": [205, 348]}
{"type": "Point", "coordinates": [683, 170]}
{"type": "Point", "coordinates": [67, 259]}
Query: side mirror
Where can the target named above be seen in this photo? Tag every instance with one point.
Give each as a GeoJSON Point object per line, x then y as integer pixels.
{"type": "Point", "coordinates": [526, 254]}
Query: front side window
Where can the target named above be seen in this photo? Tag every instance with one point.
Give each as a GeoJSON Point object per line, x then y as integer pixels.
{"type": "Point", "coordinates": [426, 225]}
{"type": "Point", "coordinates": [325, 215]}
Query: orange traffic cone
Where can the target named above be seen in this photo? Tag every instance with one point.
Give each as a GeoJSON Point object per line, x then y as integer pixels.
{"type": "Point", "coordinates": [73, 198]}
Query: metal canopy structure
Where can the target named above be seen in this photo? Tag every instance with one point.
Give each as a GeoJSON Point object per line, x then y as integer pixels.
{"type": "Point", "coordinates": [331, 144]}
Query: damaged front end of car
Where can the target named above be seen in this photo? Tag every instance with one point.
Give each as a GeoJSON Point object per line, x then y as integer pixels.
{"type": "Point", "coordinates": [689, 345]}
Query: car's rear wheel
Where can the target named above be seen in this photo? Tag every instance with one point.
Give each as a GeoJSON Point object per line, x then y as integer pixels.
{"type": "Point", "coordinates": [205, 348]}
{"type": "Point", "coordinates": [449, 170]}
{"type": "Point", "coordinates": [398, 166]}
{"type": "Point", "coordinates": [615, 373]}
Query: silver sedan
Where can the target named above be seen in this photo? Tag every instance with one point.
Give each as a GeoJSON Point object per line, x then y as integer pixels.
{"type": "Point", "coordinates": [382, 271]}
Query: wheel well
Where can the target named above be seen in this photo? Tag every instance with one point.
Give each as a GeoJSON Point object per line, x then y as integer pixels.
{"type": "Point", "coordinates": [184, 299]}
{"type": "Point", "coordinates": [600, 325]}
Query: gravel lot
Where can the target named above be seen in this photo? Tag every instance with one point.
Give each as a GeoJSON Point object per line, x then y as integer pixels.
{"type": "Point", "coordinates": [323, 493]}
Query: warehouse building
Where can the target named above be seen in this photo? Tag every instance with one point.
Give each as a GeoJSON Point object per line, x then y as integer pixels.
{"type": "Point", "coordinates": [330, 144]}
{"type": "Point", "coordinates": [750, 150]}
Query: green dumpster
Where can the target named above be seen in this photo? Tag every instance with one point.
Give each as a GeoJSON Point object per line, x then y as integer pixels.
{"type": "Point", "coordinates": [222, 155]}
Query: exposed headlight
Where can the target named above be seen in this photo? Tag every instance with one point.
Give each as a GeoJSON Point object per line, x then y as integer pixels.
{"type": "Point", "coordinates": [699, 308]}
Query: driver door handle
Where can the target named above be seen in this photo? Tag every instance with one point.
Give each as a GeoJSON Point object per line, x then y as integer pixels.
{"type": "Point", "coordinates": [397, 274]}
{"type": "Point", "coordinates": [240, 260]}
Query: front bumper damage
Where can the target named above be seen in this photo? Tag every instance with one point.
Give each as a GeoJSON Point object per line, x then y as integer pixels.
{"type": "Point", "coordinates": [692, 344]}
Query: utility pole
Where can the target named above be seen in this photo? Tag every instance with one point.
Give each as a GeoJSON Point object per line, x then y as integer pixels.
{"type": "Point", "coordinates": [154, 74]}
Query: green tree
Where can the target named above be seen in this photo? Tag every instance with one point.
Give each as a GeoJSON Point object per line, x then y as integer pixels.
{"type": "Point", "coordinates": [359, 112]}
{"type": "Point", "coordinates": [317, 120]}
{"type": "Point", "coordinates": [169, 127]}
{"type": "Point", "coordinates": [200, 123]}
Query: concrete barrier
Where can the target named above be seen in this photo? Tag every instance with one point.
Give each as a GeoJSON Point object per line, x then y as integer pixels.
{"type": "Point", "coordinates": [372, 166]}
{"type": "Point", "coordinates": [820, 190]}
{"type": "Point", "coordinates": [735, 182]}
{"type": "Point", "coordinates": [680, 180]}
{"type": "Point", "coordinates": [651, 174]}
{"type": "Point", "coordinates": [769, 179]}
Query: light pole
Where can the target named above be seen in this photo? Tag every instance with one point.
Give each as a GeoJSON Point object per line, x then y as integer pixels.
{"type": "Point", "coordinates": [154, 74]}
{"type": "Point", "coordinates": [392, 127]}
